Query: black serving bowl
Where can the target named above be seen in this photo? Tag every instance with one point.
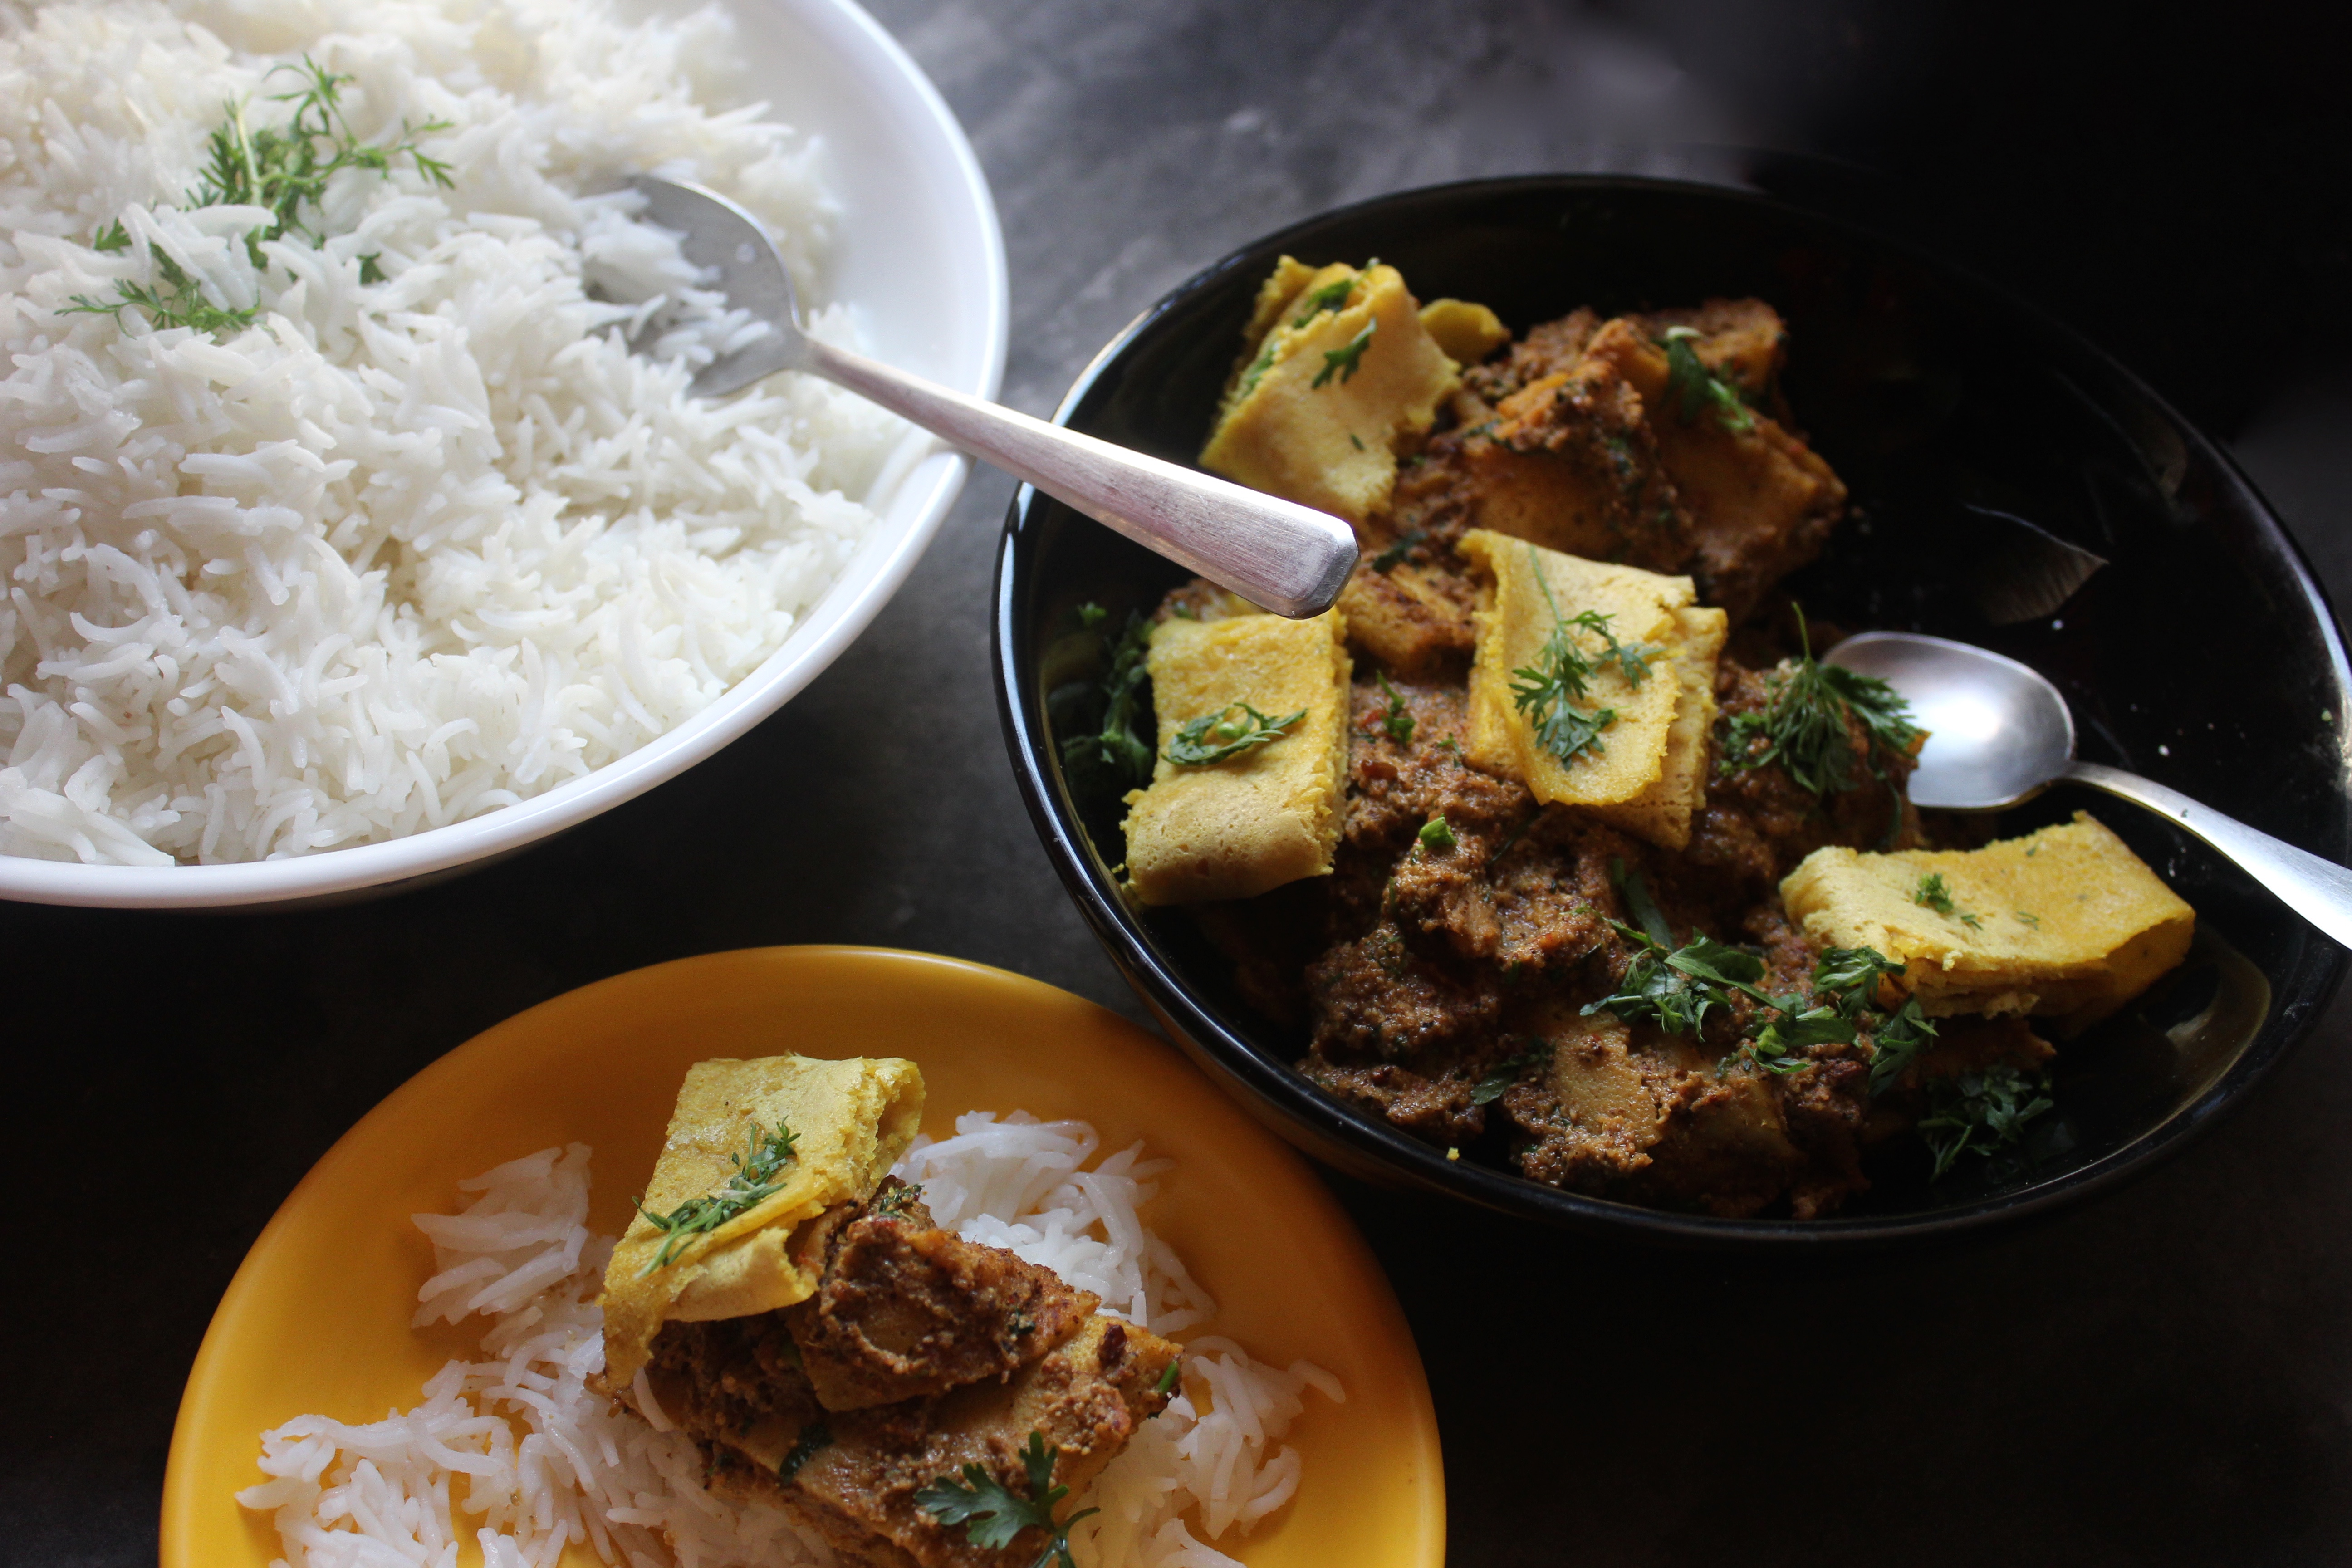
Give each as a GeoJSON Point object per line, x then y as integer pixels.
{"type": "Point", "coordinates": [2203, 655]}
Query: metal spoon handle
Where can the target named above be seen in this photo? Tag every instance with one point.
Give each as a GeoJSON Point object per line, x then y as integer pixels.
{"type": "Point", "coordinates": [1287, 558]}
{"type": "Point", "coordinates": [2319, 890]}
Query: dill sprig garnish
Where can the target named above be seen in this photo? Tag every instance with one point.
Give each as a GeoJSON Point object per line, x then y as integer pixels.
{"type": "Point", "coordinates": [752, 1182]}
{"type": "Point", "coordinates": [1933, 893]}
{"type": "Point", "coordinates": [1694, 389]}
{"type": "Point", "coordinates": [991, 1514]}
{"type": "Point", "coordinates": [1802, 725]}
{"type": "Point", "coordinates": [1548, 691]}
{"type": "Point", "coordinates": [282, 170]}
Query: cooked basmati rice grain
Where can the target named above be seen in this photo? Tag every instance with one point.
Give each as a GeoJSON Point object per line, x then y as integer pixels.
{"type": "Point", "coordinates": [387, 1493]}
{"type": "Point", "coordinates": [406, 550]}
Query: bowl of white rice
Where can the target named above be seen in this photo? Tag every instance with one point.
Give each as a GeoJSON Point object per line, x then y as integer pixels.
{"type": "Point", "coordinates": [358, 548]}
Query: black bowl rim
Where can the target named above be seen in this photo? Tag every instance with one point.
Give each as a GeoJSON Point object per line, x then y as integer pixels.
{"type": "Point", "coordinates": [1294, 1103]}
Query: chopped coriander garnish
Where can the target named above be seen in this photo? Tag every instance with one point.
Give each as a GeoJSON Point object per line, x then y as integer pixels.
{"type": "Point", "coordinates": [813, 1437]}
{"type": "Point", "coordinates": [1352, 436]}
{"type": "Point", "coordinates": [1984, 1112]}
{"type": "Point", "coordinates": [1935, 894]}
{"type": "Point", "coordinates": [371, 267]}
{"type": "Point", "coordinates": [1387, 559]}
{"type": "Point", "coordinates": [754, 1180]}
{"type": "Point", "coordinates": [1213, 737]}
{"type": "Point", "coordinates": [992, 1516]}
{"type": "Point", "coordinates": [1345, 359]}
{"type": "Point", "coordinates": [1438, 834]}
{"type": "Point", "coordinates": [1803, 726]}
{"type": "Point", "coordinates": [1332, 296]}
{"type": "Point", "coordinates": [895, 1200]}
{"type": "Point", "coordinates": [1398, 719]}
{"type": "Point", "coordinates": [1895, 1041]}
{"type": "Point", "coordinates": [2031, 920]}
{"type": "Point", "coordinates": [1091, 615]}
{"type": "Point", "coordinates": [1258, 366]}
{"type": "Point", "coordinates": [1491, 1088]}
{"type": "Point", "coordinates": [1547, 690]}
{"type": "Point", "coordinates": [113, 237]}
{"type": "Point", "coordinates": [1693, 388]}
{"type": "Point", "coordinates": [1111, 758]}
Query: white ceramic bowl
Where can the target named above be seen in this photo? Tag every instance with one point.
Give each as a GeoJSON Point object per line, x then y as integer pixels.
{"type": "Point", "coordinates": [919, 258]}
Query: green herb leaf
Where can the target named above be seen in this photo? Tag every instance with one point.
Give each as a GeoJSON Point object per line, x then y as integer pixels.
{"type": "Point", "coordinates": [1258, 366]}
{"type": "Point", "coordinates": [1895, 1043]}
{"type": "Point", "coordinates": [1850, 975]}
{"type": "Point", "coordinates": [1547, 690]}
{"type": "Point", "coordinates": [1168, 1378]}
{"type": "Point", "coordinates": [1213, 737]}
{"type": "Point", "coordinates": [992, 1515]}
{"type": "Point", "coordinates": [371, 267]}
{"type": "Point", "coordinates": [1332, 296]}
{"type": "Point", "coordinates": [1776, 1047]}
{"type": "Point", "coordinates": [1346, 360]}
{"type": "Point", "coordinates": [1438, 834]}
{"type": "Point", "coordinates": [1398, 719]}
{"type": "Point", "coordinates": [1385, 562]}
{"type": "Point", "coordinates": [283, 169]}
{"type": "Point", "coordinates": [752, 1182]}
{"type": "Point", "coordinates": [2029, 919]}
{"type": "Point", "coordinates": [813, 1437]}
{"type": "Point", "coordinates": [1803, 726]}
{"type": "Point", "coordinates": [1933, 893]}
{"type": "Point", "coordinates": [1981, 1111]}
{"type": "Point", "coordinates": [1635, 890]}
{"type": "Point", "coordinates": [1491, 1088]}
{"type": "Point", "coordinates": [1694, 389]}
{"type": "Point", "coordinates": [1110, 759]}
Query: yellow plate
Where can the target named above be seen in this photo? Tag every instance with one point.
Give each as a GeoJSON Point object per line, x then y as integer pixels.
{"type": "Point", "coordinates": [316, 1318]}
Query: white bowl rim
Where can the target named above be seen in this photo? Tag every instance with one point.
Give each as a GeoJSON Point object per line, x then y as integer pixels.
{"type": "Point", "coordinates": [867, 582]}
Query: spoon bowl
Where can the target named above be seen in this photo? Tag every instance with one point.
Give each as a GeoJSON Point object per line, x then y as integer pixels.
{"type": "Point", "coordinates": [1997, 732]}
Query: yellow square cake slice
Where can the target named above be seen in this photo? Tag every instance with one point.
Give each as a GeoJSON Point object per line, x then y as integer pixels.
{"type": "Point", "coordinates": [1647, 771]}
{"type": "Point", "coordinates": [1662, 813]}
{"type": "Point", "coordinates": [2065, 923]}
{"type": "Point", "coordinates": [1266, 815]}
{"type": "Point", "coordinates": [1337, 368]}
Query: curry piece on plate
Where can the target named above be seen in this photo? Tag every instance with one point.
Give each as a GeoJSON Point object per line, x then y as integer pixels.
{"type": "Point", "coordinates": [1761, 502]}
{"type": "Point", "coordinates": [1259, 705]}
{"type": "Point", "coordinates": [2065, 923]}
{"type": "Point", "coordinates": [889, 1352]}
{"type": "Point", "coordinates": [1336, 371]}
{"type": "Point", "coordinates": [1645, 770]}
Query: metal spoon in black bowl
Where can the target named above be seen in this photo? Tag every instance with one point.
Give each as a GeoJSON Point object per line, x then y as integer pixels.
{"type": "Point", "coordinates": [1285, 557]}
{"type": "Point", "coordinates": [1999, 734]}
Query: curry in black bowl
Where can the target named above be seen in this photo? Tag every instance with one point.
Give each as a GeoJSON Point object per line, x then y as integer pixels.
{"type": "Point", "coordinates": [1557, 868]}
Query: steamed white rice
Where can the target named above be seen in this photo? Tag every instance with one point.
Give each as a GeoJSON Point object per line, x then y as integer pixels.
{"type": "Point", "coordinates": [400, 553]}
{"type": "Point", "coordinates": [514, 1451]}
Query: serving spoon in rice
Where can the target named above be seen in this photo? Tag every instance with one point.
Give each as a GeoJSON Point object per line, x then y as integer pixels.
{"type": "Point", "coordinates": [1287, 558]}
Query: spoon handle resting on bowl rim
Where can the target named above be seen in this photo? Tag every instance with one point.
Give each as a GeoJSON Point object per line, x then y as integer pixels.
{"type": "Point", "coordinates": [1282, 556]}
{"type": "Point", "coordinates": [2319, 890]}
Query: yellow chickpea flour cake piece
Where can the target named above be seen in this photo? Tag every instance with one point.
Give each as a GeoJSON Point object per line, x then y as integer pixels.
{"type": "Point", "coordinates": [1336, 370]}
{"type": "Point", "coordinates": [2065, 923]}
{"type": "Point", "coordinates": [1466, 332]}
{"type": "Point", "coordinates": [1253, 813]}
{"type": "Point", "coordinates": [1645, 770]}
{"type": "Point", "coordinates": [813, 1134]}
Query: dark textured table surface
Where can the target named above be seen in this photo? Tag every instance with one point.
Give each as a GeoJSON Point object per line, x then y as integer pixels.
{"type": "Point", "coordinates": [2163, 1376]}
